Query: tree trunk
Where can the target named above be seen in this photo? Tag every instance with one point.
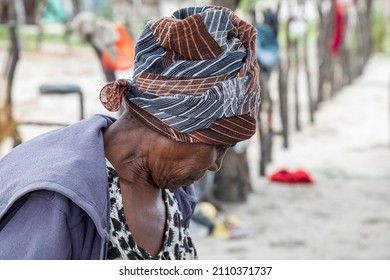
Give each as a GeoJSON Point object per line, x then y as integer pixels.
{"type": "Point", "coordinates": [283, 99]}
{"type": "Point", "coordinates": [325, 64]}
{"type": "Point", "coordinates": [296, 86]}
{"type": "Point", "coordinates": [308, 77]}
{"type": "Point", "coordinates": [13, 57]}
{"type": "Point", "coordinates": [232, 181]}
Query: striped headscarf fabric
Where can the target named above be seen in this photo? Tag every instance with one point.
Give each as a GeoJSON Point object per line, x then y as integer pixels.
{"type": "Point", "coordinates": [195, 77]}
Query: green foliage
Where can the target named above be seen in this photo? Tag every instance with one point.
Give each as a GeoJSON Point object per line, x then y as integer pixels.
{"type": "Point", "coordinates": [29, 38]}
{"type": "Point", "coordinates": [246, 5]}
{"type": "Point", "coordinates": [379, 29]}
{"type": "Point", "coordinates": [3, 33]}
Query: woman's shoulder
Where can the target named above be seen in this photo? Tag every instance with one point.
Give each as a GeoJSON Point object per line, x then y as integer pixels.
{"type": "Point", "coordinates": [47, 201]}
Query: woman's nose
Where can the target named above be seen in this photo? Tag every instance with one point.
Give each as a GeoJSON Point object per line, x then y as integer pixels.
{"type": "Point", "coordinates": [218, 162]}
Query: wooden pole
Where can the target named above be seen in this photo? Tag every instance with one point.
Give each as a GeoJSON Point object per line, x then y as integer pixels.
{"type": "Point", "coordinates": [13, 57]}
{"type": "Point", "coordinates": [308, 77]}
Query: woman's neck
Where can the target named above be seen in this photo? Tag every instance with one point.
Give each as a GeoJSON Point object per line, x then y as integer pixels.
{"type": "Point", "coordinates": [126, 147]}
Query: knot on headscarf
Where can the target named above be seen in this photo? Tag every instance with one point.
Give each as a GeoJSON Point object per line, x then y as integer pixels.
{"type": "Point", "coordinates": [195, 77]}
{"type": "Point", "coordinates": [112, 93]}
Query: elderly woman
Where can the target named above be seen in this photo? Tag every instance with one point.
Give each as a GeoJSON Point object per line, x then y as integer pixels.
{"type": "Point", "coordinates": [122, 189]}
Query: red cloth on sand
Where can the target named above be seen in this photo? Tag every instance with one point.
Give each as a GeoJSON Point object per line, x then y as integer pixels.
{"type": "Point", "coordinates": [285, 176]}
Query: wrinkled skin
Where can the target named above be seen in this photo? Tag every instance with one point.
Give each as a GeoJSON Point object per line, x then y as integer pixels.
{"type": "Point", "coordinates": [175, 164]}
{"type": "Point", "coordinates": [145, 157]}
{"type": "Point", "coordinates": [146, 162]}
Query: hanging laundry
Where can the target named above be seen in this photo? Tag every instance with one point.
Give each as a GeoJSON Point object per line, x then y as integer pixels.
{"type": "Point", "coordinates": [54, 11]}
{"type": "Point", "coordinates": [339, 15]}
{"type": "Point", "coordinates": [125, 50]}
{"type": "Point", "coordinates": [267, 45]}
{"type": "Point", "coordinates": [115, 45]}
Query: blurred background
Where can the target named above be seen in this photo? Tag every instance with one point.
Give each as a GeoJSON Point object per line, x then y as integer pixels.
{"type": "Point", "coordinates": [313, 183]}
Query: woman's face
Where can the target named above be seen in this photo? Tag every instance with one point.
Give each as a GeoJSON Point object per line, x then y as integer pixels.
{"type": "Point", "coordinates": [176, 164]}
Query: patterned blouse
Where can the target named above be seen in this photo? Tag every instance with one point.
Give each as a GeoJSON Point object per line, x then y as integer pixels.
{"type": "Point", "coordinates": [121, 246]}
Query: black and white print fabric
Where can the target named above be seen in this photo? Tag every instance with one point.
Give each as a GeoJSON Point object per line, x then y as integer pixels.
{"type": "Point", "coordinates": [121, 246]}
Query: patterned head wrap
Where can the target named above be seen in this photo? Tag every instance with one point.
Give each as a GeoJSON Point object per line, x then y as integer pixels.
{"type": "Point", "coordinates": [195, 77]}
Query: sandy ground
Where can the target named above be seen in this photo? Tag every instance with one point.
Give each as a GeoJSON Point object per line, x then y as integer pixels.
{"type": "Point", "coordinates": [344, 215]}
